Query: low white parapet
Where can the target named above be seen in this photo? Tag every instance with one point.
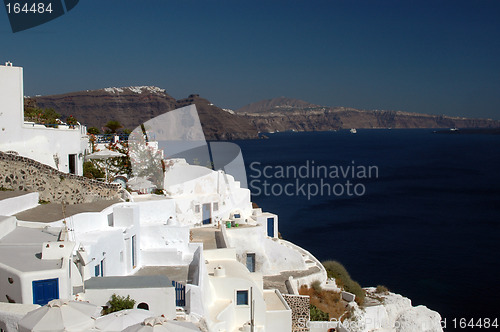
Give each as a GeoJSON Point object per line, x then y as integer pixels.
{"type": "Point", "coordinates": [13, 205]}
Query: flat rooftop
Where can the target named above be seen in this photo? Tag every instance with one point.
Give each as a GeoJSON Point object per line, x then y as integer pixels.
{"type": "Point", "coordinates": [21, 249]}
{"type": "Point", "coordinates": [54, 211]}
{"type": "Point", "coordinates": [27, 235]}
{"type": "Point", "coordinates": [27, 258]}
{"type": "Point", "coordinates": [128, 282]}
{"type": "Point", "coordinates": [179, 273]}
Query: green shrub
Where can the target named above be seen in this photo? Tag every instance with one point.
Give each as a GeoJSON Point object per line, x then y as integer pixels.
{"type": "Point", "coordinates": [318, 314]}
{"type": "Point", "coordinates": [118, 303]}
{"type": "Point", "coordinates": [352, 286]}
{"type": "Point", "coordinates": [316, 285]}
{"type": "Point", "coordinates": [336, 270]}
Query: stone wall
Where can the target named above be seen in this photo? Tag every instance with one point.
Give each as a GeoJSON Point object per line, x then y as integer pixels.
{"type": "Point", "coordinates": [300, 311]}
{"type": "Point", "coordinates": [20, 173]}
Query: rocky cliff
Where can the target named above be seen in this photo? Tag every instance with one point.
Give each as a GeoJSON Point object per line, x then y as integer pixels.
{"type": "Point", "coordinates": [132, 106]}
{"type": "Point", "coordinates": [291, 114]}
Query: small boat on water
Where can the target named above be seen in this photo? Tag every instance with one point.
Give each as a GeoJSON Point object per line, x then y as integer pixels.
{"type": "Point", "coordinates": [353, 131]}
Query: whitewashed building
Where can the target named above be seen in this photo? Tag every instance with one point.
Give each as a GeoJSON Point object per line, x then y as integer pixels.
{"type": "Point", "coordinates": [62, 148]}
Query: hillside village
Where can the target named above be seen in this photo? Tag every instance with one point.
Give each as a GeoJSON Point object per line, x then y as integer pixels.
{"type": "Point", "coordinates": [185, 247]}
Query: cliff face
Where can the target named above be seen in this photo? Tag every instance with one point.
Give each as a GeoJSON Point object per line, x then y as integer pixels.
{"type": "Point", "coordinates": [218, 124]}
{"type": "Point", "coordinates": [285, 114]}
{"type": "Point", "coordinates": [135, 105]}
{"type": "Point", "coordinates": [129, 106]}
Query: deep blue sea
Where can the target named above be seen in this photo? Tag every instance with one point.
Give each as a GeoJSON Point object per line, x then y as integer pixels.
{"type": "Point", "coordinates": [427, 227]}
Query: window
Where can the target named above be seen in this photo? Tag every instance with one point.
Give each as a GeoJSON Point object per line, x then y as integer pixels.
{"type": "Point", "coordinates": [242, 297]}
{"type": "Point", "coordinates": [251, 262]}
{"type": "Point", "coordinates": [143, 306]}
{"type": "Point", "coordinates": [134, 251]}
{"type": "Point", "coordinates": [121, 256]}
{"type": "Point", "coordinates": [97, 270]}
{"type": "Point", "coordinates": [110, 220]}
{"type": "Point", "coordinates": [197, 208]}
{"type": "Point", "coordinates": [216, 206]}
{"type": "Point", "coordinates": [237, 216]}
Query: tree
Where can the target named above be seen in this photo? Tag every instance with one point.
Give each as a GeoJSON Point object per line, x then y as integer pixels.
{"type": "Point", "coordinates": [118, 303]}
{"type": "Point", "coordinates": [71, 121]}
{"type": "Point", "coordinates": [92, 171]}
{"type": "Point", "coordinates": [93, 131]}
{"type": "Point", "coordinates": [113, 126]}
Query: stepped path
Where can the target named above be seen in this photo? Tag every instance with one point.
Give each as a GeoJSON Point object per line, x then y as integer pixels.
{"type": "Point", "coordinates": [211, 237]}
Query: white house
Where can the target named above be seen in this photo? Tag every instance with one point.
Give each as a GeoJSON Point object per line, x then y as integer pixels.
{"type": "Point", "coordinates": [35, 266]}
{"type": "Point", "coordinates": [62, 148]}
{"type": "Point", "coordinates": [204, 196]}
{"type": "Point", "coordinates": [238, 298]}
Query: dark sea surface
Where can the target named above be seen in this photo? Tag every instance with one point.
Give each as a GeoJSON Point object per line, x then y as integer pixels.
{"type": "Point", "coordinates": [427, 227]}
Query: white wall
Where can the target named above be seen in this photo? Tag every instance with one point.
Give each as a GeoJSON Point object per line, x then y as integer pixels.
{"type": "Point", "coordinates": [161, 300]}
{"type": "Point", "coordinates": [13, 205]}
{"type": "Point", "coordinates": [61, 274]}
{"type": "Point", "coordinates": [226, 287]}
{"type": "Point", "coordinates": [7, 225]}
{"type": "Point", "coordinates": [279, 321]}
{"type": "Point", "coordinates": [165, 236]}
{"type": "Point", "coordinates": [21, 289]}
{"type": "Point", "coordinates": [14, 290]}
{"type": "Point", "coordinates": [270, 256]}
{"type": "Point", "coordinates": [105, 245]}
{"type": "Point", "coordinates": [12, 100]}
{"type": "Point", "coordinates": [156, 211]}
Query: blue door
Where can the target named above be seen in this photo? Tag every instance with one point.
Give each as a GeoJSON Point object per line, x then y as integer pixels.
{"type": "Point", "coordinates": [270, 227]}
{"type": "Point", "coordinates": [45, 291]}
{"type": "Point", "coordinates": [207, 215]}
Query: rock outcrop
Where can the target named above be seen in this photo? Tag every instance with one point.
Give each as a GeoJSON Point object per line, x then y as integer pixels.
{"type": "Point", "coordinates": [393, 312]}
